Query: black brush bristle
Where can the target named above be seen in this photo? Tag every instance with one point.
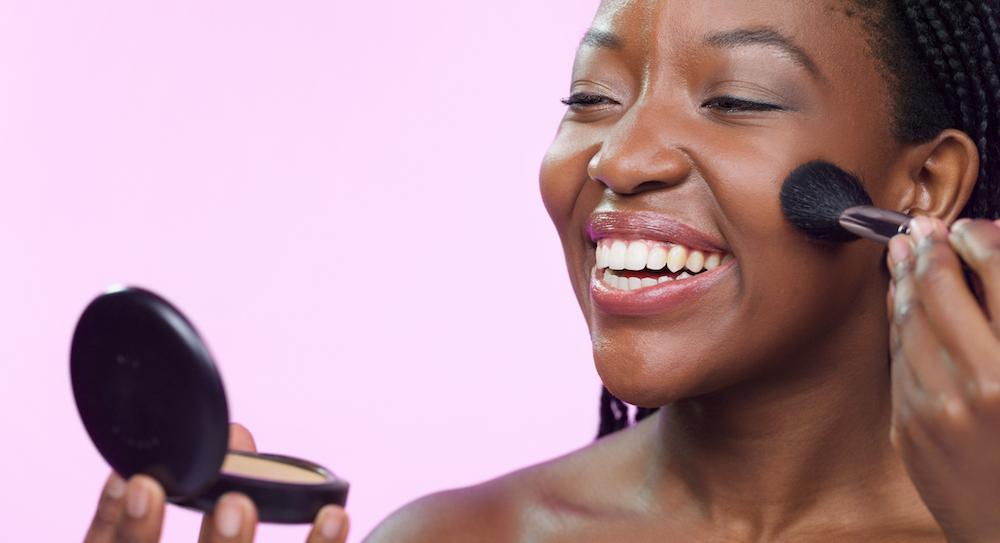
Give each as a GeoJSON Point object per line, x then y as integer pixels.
{"type": "Point", "coordinates": [814, 196]}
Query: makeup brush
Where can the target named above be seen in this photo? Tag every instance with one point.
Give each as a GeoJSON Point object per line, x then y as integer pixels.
{"type": "Point", "coordinates": [829, 204]}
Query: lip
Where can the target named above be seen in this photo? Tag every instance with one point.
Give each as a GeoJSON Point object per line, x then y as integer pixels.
{"type": "Point", "coordinates": [651, 226]}
{"type": "Point", "coordinates": [653, 300]}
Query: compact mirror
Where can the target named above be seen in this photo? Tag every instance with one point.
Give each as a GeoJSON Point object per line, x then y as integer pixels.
{"type": "Point", "coordinates": [152, 401]}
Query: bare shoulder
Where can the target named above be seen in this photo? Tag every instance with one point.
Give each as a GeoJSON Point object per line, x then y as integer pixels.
{"type": "Point", "coordinates": [524, 504]}
{"type": "Point", "coordinates": [486, 510]}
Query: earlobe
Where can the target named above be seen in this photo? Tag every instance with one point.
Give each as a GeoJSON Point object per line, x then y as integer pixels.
{"type": "Point", "coordinates": [944, 172]}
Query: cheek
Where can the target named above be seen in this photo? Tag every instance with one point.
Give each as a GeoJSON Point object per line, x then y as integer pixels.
{"type": "Point", "coordinates": [563, 174]}
{"type": "Point", "coordinates": [785, 297]}
{"type": "Point", "coordinates": [564, 184]}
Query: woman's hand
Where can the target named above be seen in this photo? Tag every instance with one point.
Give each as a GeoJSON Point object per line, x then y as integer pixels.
{"type": "Point", "coordinates": [133, 511]}
{"type": "Point", "coordinates": [946, 372]}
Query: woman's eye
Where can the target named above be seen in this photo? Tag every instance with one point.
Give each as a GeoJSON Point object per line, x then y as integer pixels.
{"type": "Point", "coordinates": [731, 104]}
{"type": "Point", "coordinates": [582, 100]}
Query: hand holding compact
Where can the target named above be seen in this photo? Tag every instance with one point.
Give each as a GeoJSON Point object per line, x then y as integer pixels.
{"type": "Point", "coordinates": [134, 510]}
{"type": "Point", "coordinates": [945, 350]}
{"type": "Point", "coordinates": [152, 401]}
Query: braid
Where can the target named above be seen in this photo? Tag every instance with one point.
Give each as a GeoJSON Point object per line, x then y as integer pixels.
{"type": "Point", "coordinates": [644, 412]}
{"type": "Point", "coordinates": [940, 59]}
{"type": "Point", "coordinates": [988, 35]}
{"type": "Point", "coordinates": [614, 414]}
{"type": "Point", "coordinates": [929, 41]}
{"type": "Point", "coordinates": [958, 41]}
{"type": "Point", "coordinates": [976, 108]}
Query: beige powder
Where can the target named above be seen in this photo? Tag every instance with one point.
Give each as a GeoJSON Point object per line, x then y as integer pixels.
{"type": "Point", "coordinates": [254, 467]}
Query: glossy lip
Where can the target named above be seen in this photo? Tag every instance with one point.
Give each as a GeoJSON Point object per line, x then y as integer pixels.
{"type": "Point", "coordinates": [651, 226]}
{"type": "Point", "coordinates": [661, 298]}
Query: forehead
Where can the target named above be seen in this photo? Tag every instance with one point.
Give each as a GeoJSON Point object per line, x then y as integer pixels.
{"type": "Point", "coordinates": [830, 33]}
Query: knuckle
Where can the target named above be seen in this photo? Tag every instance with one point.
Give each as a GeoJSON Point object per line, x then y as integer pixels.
{"type": "Point", "coordinates": [953, 412]}
{"type": "Point", "coordinates": [984, 394]}
{"type": "Point", "coordinates": [989, 255]}
{"type": "Point", "coordinates": [941, 415]}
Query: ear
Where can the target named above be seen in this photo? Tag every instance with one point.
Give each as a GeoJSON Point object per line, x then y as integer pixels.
{"type": "Point", "coordinates": [942, 173]}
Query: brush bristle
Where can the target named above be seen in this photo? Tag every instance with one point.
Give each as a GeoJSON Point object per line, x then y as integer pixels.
{"type": "Point", "coordinates": [814, 196]}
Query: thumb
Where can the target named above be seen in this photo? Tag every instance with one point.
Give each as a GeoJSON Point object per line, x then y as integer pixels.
{"type": "Point", "coordinates": [240, 439]}
{"type": "Point", "coordinates": [331, 526]}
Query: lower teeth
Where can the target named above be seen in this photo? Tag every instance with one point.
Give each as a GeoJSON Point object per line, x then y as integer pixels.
{"type": "Point", "coordinates": [635, 283]}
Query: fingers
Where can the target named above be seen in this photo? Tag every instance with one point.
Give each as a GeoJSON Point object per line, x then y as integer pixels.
{"type": "Point", "coordinates": [925, 380]}
{"type": "Point", "coordinates": [128, 511]}
{"type": "Point", "coordinates": [978, 243]}
{"type": "Point", "coordinates": [142, 520]}
{"type": "Point", "coordinates": [109, 511]}
{"type": "Point", "coordinates": [940, 289]}
{"type": "Point", "coordinates": [331, 526]}
{"type": "Point", "coordinates": [240, 439]}
{"type": "Point", "coordinates": [234, 520]}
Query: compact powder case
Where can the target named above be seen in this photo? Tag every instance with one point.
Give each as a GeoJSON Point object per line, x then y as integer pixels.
{"type": "Point", "coordinates": [152, 402]}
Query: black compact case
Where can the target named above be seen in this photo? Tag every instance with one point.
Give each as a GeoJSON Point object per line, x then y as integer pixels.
{"type": "Point", "coordinates": [153, 402]}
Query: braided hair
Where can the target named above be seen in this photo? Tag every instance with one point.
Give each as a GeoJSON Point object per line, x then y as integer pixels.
{"type": "Point", "coordinates": [941, 63]}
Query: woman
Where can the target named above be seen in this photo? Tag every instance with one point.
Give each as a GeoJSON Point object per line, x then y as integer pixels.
{"type": "Point", "coordinates": [793, 409]}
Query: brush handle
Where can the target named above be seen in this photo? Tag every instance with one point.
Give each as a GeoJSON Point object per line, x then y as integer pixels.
{"type": "Point", "coordinates": [875, 223]}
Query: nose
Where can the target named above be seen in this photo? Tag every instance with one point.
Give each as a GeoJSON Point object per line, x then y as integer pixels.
{"type": "Point", "coordinates": [639, 154]}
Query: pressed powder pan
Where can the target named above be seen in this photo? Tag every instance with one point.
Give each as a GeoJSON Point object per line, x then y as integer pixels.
{"type": "Point", "coordinates": [152, 402]}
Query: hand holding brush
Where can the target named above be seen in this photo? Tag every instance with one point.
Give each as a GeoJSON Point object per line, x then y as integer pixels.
{"type": "Point", "coordinates": [944, 344]}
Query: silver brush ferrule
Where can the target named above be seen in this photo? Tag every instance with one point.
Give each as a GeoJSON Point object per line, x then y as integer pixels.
{"type": "Point", "coordinates": [874, 223]}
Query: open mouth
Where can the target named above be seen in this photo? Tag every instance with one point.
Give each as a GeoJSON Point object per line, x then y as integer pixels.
{"type": "Point", "coordinates": [635, 264]}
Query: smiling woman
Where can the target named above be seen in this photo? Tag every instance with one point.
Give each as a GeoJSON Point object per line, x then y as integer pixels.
{"type": "Point", "coordinates": [779, 398]}
{"type": "Point", "coordinates": [760, 359]}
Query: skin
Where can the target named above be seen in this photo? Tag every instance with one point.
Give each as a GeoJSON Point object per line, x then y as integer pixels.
{"type": "Point", "coordinates": [133, 511]}
{"type": "Point", "coordinates": [781, 384]}
{"type": "Point", "coordinates": [946, 379]}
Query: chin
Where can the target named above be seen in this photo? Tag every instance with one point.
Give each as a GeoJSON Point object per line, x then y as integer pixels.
{"type": "Point", "coordinates": [648, 379]}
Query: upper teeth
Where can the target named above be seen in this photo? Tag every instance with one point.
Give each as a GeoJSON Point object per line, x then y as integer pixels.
{"type": "Point", "coordinates": [636, 255]}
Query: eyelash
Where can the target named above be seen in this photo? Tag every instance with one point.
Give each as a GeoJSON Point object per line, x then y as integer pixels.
{"type": "Point", "coordinates": [585, 99]}
{"type": "Point", "coordinates": [724, 103]}
{"type": "Point", "coordinates": [739, 104]}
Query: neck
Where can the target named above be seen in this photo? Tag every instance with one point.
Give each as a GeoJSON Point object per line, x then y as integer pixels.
{"type": "Point", "coordinates": [778, 454]}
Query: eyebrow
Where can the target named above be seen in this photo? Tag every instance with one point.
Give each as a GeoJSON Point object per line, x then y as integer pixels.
{"type": "Point", "coordinates": [728, 39]}
{"type": "Point", "coordinates": [601, 38]}
{"type": "Point", "coordinates": [764, 36]}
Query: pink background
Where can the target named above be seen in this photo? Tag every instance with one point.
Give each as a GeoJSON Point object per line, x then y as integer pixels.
{"type": "Point", "coordinates": [342, 196]}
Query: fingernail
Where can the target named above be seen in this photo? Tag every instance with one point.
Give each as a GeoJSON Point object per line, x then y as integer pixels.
{"type": "Point", "coordinates": [892, 289]}
{"type": "Point", "coordinates": [115, 487]}
{"type": "Point", "coordinates": [921, 228]}
{"type": "Point", "coordinates": [329, 528]}
{"type": "Point", "coordinates": [137, 501]}
{"type": "Point", "coordinates": [228, 519]}
{"type": "Point", "coordinates": [899, 249]}
{"type": "Point", "coordinates": [960, 224]}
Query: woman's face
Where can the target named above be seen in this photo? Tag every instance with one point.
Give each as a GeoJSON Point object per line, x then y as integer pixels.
{"type": "Point", "coordinates": [688, 115]}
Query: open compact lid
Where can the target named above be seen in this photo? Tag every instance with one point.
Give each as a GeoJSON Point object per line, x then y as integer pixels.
{"type": "Point", "coordinates": [148, 392]}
